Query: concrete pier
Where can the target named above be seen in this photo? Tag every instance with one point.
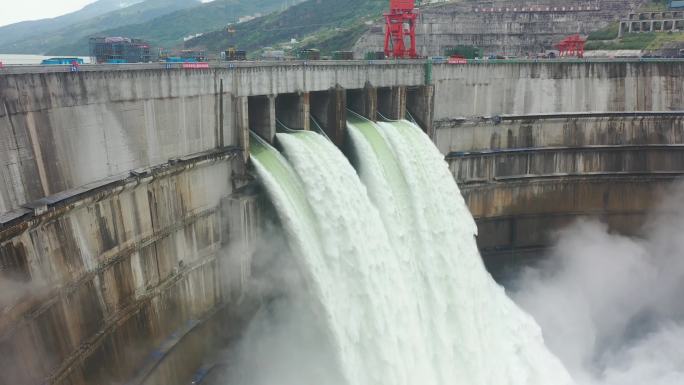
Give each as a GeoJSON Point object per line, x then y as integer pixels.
{"type": "Point", "coordinates": [293, 110]}
{"type": "Point", "coordinates": [419, 103]}
{"type": "Point", "coordinates": [392, 102]}
{"type": "Point", "coordinates": [329, 108]}
{"type": "Point", "coordinates": [262, 115]}
{"type": "Point", "coordinates": [364, 101]}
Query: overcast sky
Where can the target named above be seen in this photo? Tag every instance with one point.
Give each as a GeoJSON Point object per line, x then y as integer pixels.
{"type": "Point", "coordinates": [12, 11]}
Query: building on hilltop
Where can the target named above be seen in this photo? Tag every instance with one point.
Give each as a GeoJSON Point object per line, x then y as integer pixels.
{"type": "Point", "coordinates": [116, 50]}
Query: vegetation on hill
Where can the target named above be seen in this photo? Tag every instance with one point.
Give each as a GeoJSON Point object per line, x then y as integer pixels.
{"type": "Point", "coordinates": [653, 5]}
{"type": "Point", "coordinates": [54, 42]}
{"type": "Point", "coordinates": [339, 39]}
{"type": "Point", "coordinates": [607, 38]}
{"type": "Point", "coordinates": [18, 31]}
{"type": "Point", "coordinates": [328, 25]}
{"type": "Point", "coordinates": [648, 41]}
{"type": "Point", "coordinates": [169, 30]}
{"type": "Point", "coordinates": [608, 33]}
{"type": "Point", "coordinates": [165, 23]}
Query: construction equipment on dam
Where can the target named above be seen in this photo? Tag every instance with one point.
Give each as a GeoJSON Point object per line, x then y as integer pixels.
{"type": "Point", "coordinates": [571, 46]}
{"type": "Point", "coordinates": [400, 24]}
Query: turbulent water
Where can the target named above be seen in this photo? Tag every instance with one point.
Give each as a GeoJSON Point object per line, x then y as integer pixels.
{"type": "Point", "coordinates": [389, 252]}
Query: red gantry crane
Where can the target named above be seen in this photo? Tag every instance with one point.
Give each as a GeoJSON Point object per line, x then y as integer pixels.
{"type": "Point", "coordinates": [571, 46]}
{"type": "Point", "coordinates": [400, 25]}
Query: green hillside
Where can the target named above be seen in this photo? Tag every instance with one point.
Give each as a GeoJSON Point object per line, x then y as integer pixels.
{"type": "Point", "coordinates": [608, 39]}
{"type": "Point", "coordinates": [18, 31]}
{"type": "Point", "coordinates": [169, 30]}
{"type": "Point", "coordinates": [54, 41]}
{"type": "Point", "coordinates": [325, 24]}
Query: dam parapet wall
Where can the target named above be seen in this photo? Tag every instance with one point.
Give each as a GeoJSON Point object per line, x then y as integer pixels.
{"type": "Point", "coordinates": [61, 130]}
{"type": "Point", "coordinates": [530, 88]}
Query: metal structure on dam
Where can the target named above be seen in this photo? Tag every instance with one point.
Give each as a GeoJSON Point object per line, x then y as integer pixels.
{"type": "Point", "coordinates": [127, 221]}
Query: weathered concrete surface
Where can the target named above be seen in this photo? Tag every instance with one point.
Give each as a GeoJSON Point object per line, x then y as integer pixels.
{"type": "Point", "coordinates": [101, 282]}
{"type": "Point", "coordinates": [262, 116]}
{"type": "Point", "coordinates": [525, 214]}
{"type": "Point", "coordinates": [364, 102]}
{"type": "Point", "coordinates": [552, 132]}
{"type": "Point", "coordinates": [569, 131]}
{"type": "Point", "coordinates": [274, 79]}
{"type": "Point", "coordinates": [420, 103]}
{"type": "Point", "coordinates": [549, 162]}
{"type": "Point", "coordinates": [392, 102]}
{"type": "Point", "coordinates": [329, 108]}
{"type": "Point", "coordinates": [556, 87]}
{"type": "Point", "coordinates": [61, 130]}
{"type": "Point", "coordinates": [564, 194]}
{"type": "Point", "coordinates": [526, 177]}
{"type": "Point", "coordinates": [293, 110]}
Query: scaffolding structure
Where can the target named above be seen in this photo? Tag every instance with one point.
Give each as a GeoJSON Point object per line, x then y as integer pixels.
{"type": "Point", "coordinates": [119, 50]}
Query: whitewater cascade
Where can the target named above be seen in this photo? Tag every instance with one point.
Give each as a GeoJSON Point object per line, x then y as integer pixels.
{"type": "Point", "coordinates": [390, 253]}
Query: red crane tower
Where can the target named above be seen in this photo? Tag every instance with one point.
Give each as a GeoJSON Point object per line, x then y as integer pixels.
{"type": "Point", "coordinates": [400, 23]}
{"type": "Point", "coordinates": [572, 46]}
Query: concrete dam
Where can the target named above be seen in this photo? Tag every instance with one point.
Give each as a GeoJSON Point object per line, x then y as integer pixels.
{"type": "Point", "coordinates": [129, 215]}
{"type": "Point", "coordinates": [503, 27]}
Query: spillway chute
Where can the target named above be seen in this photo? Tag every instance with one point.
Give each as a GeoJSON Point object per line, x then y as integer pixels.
{"type": "Point", "coordinates": [389, 245]}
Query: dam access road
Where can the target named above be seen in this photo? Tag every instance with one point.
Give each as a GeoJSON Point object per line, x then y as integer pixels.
{"type": "Point", "coordinates": [128, 220]}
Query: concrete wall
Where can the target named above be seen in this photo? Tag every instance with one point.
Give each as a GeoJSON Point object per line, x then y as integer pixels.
{"type": "Point", "coordinates": [549, 162]}
{"type": "Point", "coordinates": [60, 131]}
{"type": "Point", "coordinates": [556, 87]}
{"type": "Point", "coordinates": [550, 154]}
{"type": "Point", "coordinates": [518, 220]}
{"type": "Point", "coordinates": [93, 287]}
{"type": "Point", "coordinates": [525, 177]}
{"type": "Point", "coordinates": [559, 131]}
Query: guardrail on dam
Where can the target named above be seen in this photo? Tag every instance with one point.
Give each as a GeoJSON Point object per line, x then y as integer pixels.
{"type": "Point", "coordinates": [127, 224]}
